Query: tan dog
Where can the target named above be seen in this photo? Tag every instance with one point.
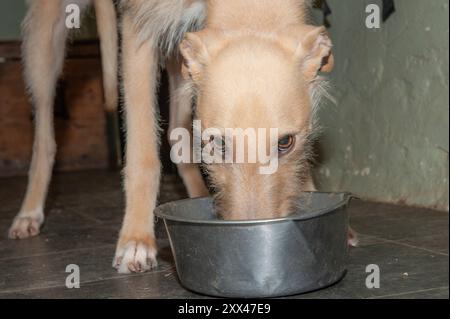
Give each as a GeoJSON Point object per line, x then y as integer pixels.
{"type": "Point", "coordinates": [255, 64]}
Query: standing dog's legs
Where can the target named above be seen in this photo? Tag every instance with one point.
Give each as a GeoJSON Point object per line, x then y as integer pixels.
{"type": "Point", "coordinates": [43, 54]}
{"type": "Point", "coordinates": [181, 116]}
{"type": "Point", "coordinates": [107, 31]}
{"type": "Point", "coordinates": [136, 249]}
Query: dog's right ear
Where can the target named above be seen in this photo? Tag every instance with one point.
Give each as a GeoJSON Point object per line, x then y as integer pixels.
{"type": "Point", "coordinates": [313, 50]}
{"type": "Point", "coordinates": [195, 55]}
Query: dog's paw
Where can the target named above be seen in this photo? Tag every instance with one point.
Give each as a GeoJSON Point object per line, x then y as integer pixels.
{"type": "Point", "coordinates": [135, 256]}
{"type": "Point", "coordinates": [26, 225]}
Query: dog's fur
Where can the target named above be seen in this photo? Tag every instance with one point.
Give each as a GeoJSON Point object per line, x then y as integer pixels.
{"type": "Point", "coordinates": [254, 64]}
{"type": "Point", "coordinates": [43, 52]}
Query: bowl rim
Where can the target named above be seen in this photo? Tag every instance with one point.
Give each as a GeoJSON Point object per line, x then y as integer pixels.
{"type": "Point", "coordinates": [346, 197]}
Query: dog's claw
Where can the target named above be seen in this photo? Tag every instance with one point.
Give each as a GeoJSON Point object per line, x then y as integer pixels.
{"type": "Point", "coordinates": [352, 238]}
{"type": "Point", "coordinates": [135, 257]}
{"type": "Point", "coordinates": [24, 227]}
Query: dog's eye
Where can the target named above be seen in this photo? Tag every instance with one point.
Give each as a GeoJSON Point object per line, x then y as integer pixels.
{"type": "Point", "coordinates": [285, 144]}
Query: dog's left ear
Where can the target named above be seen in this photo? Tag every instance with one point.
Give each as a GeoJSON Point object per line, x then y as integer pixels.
{"type": "Point", "coordinates": [314, 51]}
{"type": "Point", "coordinates": [195, 55]}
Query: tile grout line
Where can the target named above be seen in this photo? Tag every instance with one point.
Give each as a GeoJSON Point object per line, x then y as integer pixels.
{"type": "Point", "coordinates": [6, 292]}
{"type": "Point", "coordinates": [392, 241]}
{"type": "Point", "coordinates": [408, 293]}
{"type": "Point", "coordinates": [417, 247]}
{"type": "Point", "coordinates": [88, 217]}
{"type": "Point", "coordinates": [65, 251]}
{"type": "Point", "coordinates": [382, 240]}
{"type": "Point", "coordinates": [57, 252]}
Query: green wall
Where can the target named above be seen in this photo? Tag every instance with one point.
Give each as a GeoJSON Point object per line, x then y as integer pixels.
{"type": "Point", "coordinates": [387, 139]}
{"type": "Point", "coordinates": [12, 13]}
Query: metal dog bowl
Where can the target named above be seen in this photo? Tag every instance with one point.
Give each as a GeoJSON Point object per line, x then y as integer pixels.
{"type": "Point", "coordinates": [258, 258]}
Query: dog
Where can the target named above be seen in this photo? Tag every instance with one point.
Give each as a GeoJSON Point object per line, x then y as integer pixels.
{"type": "Point", "coordinates": [245, 63]}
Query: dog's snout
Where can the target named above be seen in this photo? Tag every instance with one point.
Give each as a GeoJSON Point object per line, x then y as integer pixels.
{"type": "Point", "coordinates": [247, 201]}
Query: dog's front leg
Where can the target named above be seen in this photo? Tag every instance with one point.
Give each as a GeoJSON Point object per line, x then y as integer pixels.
{"type": "Point", "coordinates": [181, 117]}
{"type": "Point", "coordinates": [136, 248]}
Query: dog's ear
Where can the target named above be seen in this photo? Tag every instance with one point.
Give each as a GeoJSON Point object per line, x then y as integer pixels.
{"type": "Point", "coordinates": [314, 51]}
{"type": "Point", "coordinates": [195, 55]}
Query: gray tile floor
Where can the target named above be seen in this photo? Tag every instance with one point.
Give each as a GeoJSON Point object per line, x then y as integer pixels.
{"type": "Point", "coordinates": [410, 246]}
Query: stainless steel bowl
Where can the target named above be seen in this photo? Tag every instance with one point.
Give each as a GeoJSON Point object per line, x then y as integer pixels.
{"type": "Point", "coordinates": [258, 258]}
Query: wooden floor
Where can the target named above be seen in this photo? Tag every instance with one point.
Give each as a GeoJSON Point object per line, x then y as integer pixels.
{"type": "Point", "coordinates": [84, 212]}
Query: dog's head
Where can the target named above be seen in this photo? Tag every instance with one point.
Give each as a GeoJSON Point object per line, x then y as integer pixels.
{"type": "Point", "coordinates": [264, 85]}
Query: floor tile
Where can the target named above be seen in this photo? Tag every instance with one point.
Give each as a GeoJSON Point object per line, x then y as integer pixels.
{"type": "Point", "coordinates": [396, 222]}
{"type": "Point", "coordinates": [48, 270]}
{"type": "Point", "coordinates": [84, 213]}
{"type": "Point", "coordinates": [402, 269]}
